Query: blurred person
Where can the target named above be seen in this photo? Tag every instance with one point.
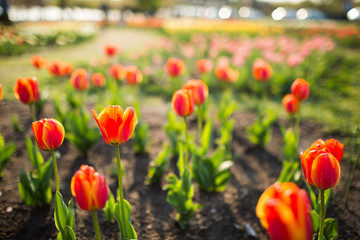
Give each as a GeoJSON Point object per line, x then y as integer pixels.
{"type": "Point", "coordinates": [4, 17]}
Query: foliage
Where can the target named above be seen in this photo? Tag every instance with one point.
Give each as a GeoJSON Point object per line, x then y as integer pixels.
{"type": "Point", "coordinates": [16, 125]}
{"type": "Point", "coordinates": [64, 218]}
{"type": "Point", "coordinates": [35, 185]}
{"type": "Point", "coordinates": [260, 131]}
{"type": "Point", "coordinates": [6, 151]}
{"type": "Point", "coordinates": [109, 208]}
{"type": "Point", "coordinates": [174, 130]}
{"type": "Point", "coordinates": [128, 225]}
{"type": "Point", "coordinates": [158, 166]}
{"type": "Point", "coordinates": [141, 138]}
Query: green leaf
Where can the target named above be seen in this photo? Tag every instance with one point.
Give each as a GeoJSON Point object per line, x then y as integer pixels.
{"type": "Point", "coordinates": [181, 164]}
{"type": "Point", "coordinates": [70, 219]}
{"type": "Point", "coordinates": [2, 143]}
{"type": "Point", "coordinates": [315, 217]}
{"type": "Point", "coordinates": [206, 137]}
{"type": "Point", "coordinates": [27, 189]}
{"type": "Point", "coordinates": [60, 213]}
{"type": "Point", "coordinates": [130, 229]}
{"type": "Point", "coordinates": [312, 195]}
{"type": "Point", "coordinates": [34, 154]}
{"type": "Point", "coordinates": [5, 154]}
{"type": "Point", "coordinates": [158, 166]}
{"type": "Point", "coordinates": [109, 207]}
{"type": "Point", "coordinates": [331, 228]}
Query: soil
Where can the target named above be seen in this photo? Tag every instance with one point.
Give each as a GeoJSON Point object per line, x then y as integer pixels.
{"type": "Point", "coordinates": [225, 215]}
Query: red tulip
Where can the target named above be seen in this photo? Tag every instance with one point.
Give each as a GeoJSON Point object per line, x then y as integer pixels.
{"type": "Point", "coordinates": [204, 66]}
{"type": "Point", "coordinates": [133, 75]}
{"type": "Point", "coordinates": [300, 88]}
{"type": "Point", "coordinates": [38, 61]}
{"type": "Point", "coordinates": [117, 71]}
{"type": "Point", "coordinates": [111, 50]}
{"type": "Point", "coordinates": [183, 102]}
{"type": "Point", "coordinates": [68, 68]}
{"type": "Point", "coordinates": [115, 125]}
{"type": "Point", "coordinates": [1, 92]}
{"type": "Point", "coordinates": [98, 80]}
{"type": "Point", "coordinates": [175, 67]}
{"type": "Point", "coordinates": [79, 79]}
{"type": "Point", "coordinates": [262, 70]}
{"type": "Point", "coordinates": [226, 73]}
{"type": "Point", "coordinates": [284, 211]}
{"type": "Point", "coordinates": [27, 90]}
{"type": "Point", "coordinates": [290, 103]}
{"type": "Point", "coordinates": [49, 133]}
{"type": "Point", "coordinates": [89, 189]}
{"type": "Point", "coordinates": [198, 89]}
{"type": "Point", "coordinates": [321, 163]}
{"type": "Point", "coordinates": [56, 68]}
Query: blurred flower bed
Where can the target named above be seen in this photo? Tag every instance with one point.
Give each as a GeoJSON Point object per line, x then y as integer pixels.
{"type": "Point", "coordinates": [24, 37]}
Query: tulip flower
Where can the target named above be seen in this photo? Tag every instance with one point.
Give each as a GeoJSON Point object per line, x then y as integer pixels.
{"type": "Point", "coordinates": [110, 50]}
{"type": "Point", "coordinates": [98, 80]}
{"type": "Point", "coordinates": [133, 75]}
{"type": "Point", "coordinates": [183, 103]}
{"type": "Point", "coordinates": [116, 126]}
{"type": "Point", "coordinates": [38, 61]}
{"type": "Point", "coordinates": [56, 68]}
{"type": "Point", "coordinates": [49, 135]}
{"type": "Point", "coordinates": [198, 89]}
{"type": "Point", "coordinates": [226, 73]}
{"type": "Point", "coordinates": [204, 66]}
{"type": "Point", "coordinates": [262, 70]}
{"type": "Point", "coordinates": [90, 191]}
{"type": "Point", "coordinates": [117, 71]}
{"type": "Point", "coordinates": [67, 69]}
{"type": "Point", "coordinates": [1, 92]}
{"type": "Point", "coordinates": [290, 103]}
{"type": "Point", "coordinates": [300, 89]}
{"type": "Point", "coordinates": [79, 79]}
{"type": "Point", "coordinates": [321, 168]}
{"type": "Point", "coordinates": [27, 90]}
{"type": "Point", "coordinates": [284, 211]}
{"type": "Point", "coordinates": [175, 67]}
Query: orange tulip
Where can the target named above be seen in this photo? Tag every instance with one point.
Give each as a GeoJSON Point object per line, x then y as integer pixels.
{"type": "Point", "coordinates": [290, 103]}
{"type": "Point", "coordinates": [98, 80]}
{"type": "Point", "coordinates": [111, 50]}
{"type": "Point", "coordinates": [226, 73]}
{"type": "Point", "coordinates": [204, 66]}
{"type": "Point", "coordinates": [198, 89]}
{"type": "Point", "coordinates": [56, 68]}
{"type": "Point", "coordinates": [262, 70]}
{"type": "Point", "coordinates": [300, 88]}
{"type": "Point", "coordinates": [89, 189]}
{"type": "Point", "coordinates": [27, 90]}
{"type": "Point", "coordinates": [117, 71]}
{"type": "Point", "coordinates": [133, 75]}
{"type": "Point", "coordinates": [68, 68]}
{"type": "Point", "coordinates": [49, 133]}
{"type": "Point", "coordinates": [284, 211]}
{"type": "Point", "coordinates": [115, 125]}
{"type": "Point", "coordinates": [175, 67]}
{"type": "Point", "coordinates": [183, 102]}
{"type": "Point", "coordinates": [38, 61]}
{"type": "Point", "coordinates": [1, 92]}
{"type": "Point", "coordinates": [321, 163]}
{"type": "Point", "coordinates": [79, 79]}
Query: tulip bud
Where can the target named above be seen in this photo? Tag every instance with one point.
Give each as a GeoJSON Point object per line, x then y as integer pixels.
{"type": "Point", "coordinates": [183, 103]}
{"type": "Point", "coordinates": [79, 79]}
{"type": "Point", "coordinates": [68, 68]}
{"type": "Point", "coordinates": [175, 67]}
{"type": "Point", "coordinates": [204, 66]}
{"type": "Point", "coordinates": [262, 70]}
{"type": "Point", "coordinates": [117, 71]}
{"type": "Point", "coordinates": [290, 103]}
{"type": "Point", "coordinates": [321, 163]}
{"type": "Point", "coordinates": [89, 189]}
{"type": "Point", "coordinates": [56, 68]}
{"type": "Point", "coordinates": [115, 125]}
{"type": "Point", "coordinates": [198, 89]}
{"type": "Point", "coordinates": [27, 90]}
{"type": "Point", "coordinates": [49, 133]}
{"type": "Point", "coordinates": [284, 211]}
{"type": "Point", "coordinates": [133, 75]}
{"type": "Point", "coordinates": [226, 73]}
{"type": "Point", "coordinates": [300, 89]}
{"type": "Point", "coordinates": [111, 50]}
{"type": "Point", "coordinates": [38, 61]}
{"type": "Point", "coordinates": [98, 80]}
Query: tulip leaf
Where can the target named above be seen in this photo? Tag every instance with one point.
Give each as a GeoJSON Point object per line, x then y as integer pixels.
{"type": "Point", "coordinates": [27, 189]}
{"type": "Point", "coordinates": [180, 163]}
{"type": "Point", "coordinates": [109, 207]}
{"type": "Point", "coordinates": [331, 229]}
{"type": "Point", "coordinates": [34, 154]}
{"type": "Point", "coordinates": [315, 217]}
{"type": "Point", "coordinates": [158, 166]}
{"type": "Point", "coordinates": [5, 153]}
{"type": "Point", "coordinates": [60, 213]}
{"type": "Point", "coordinates": [206, 137]}
{"type": "Point", "coordinates": [128, 225]}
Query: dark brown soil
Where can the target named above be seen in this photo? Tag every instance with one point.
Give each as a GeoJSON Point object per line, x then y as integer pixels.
{"type": "Point", "coordinates": [223, 216]}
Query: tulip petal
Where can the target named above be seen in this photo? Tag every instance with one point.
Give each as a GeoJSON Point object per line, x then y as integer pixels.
{"type": "Point", "coordinates": [128, 127]}
{"type": "Point", "coordinates": [325, 171]}
{"type": "Point", "coordinates": [53, 134]}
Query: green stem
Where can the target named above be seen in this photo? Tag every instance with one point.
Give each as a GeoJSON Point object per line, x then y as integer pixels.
{"type": "Point", "coordinates": [55, 171]}
{"type": "Point", "coordinates": [321, 231]}
{"type": "Point", "coordinates": [297, 127]}
{"type": "Point", "coordinates": [186, 145]}
{"type": "Point", "coordinates": [96, 225]}
{"type": "Point", "coordinates": [199, 118]}
{"type": "Point", "coordinates": [32, 110]}
{"type": "Point", "coordinates": [121, 190]}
